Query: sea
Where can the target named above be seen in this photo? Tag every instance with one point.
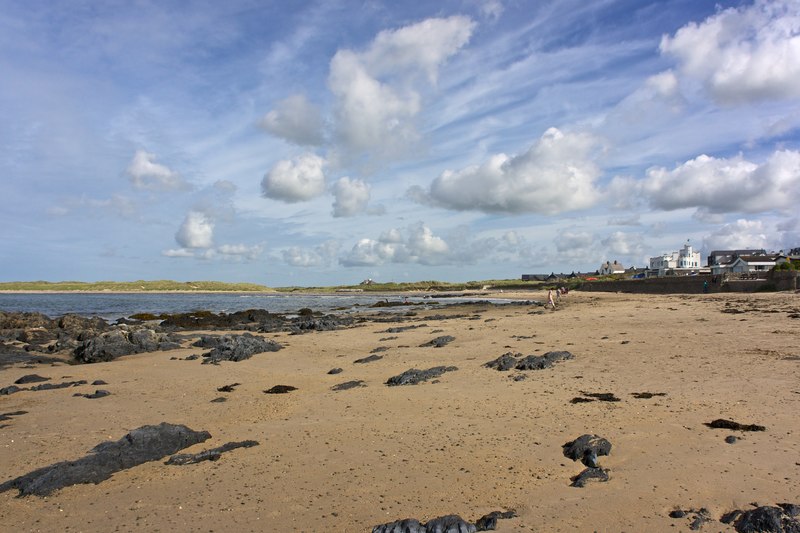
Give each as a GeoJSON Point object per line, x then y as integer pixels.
{"type": "Point", "coordinates": [113, 306]}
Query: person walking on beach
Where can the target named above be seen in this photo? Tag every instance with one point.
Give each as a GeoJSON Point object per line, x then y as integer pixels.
{"type": "Point", "coordinates": [550, 301]}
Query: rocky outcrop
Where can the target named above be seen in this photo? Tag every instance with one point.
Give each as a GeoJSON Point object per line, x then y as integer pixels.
{"type": "Point", "coordinates": [509, 361]}
{"type": "Point", "coordinates": [144, 444]}
{"type": "Point", "coordinates": [765, 519]}
{"type": "Point", "coordinates": [235, 347]}
{"type": "Point", "coordinates": [414, 376]}
{"type": "Point", "coordinates": [122, 341]}
{"type": "Point", "coordinates": [721, 423]}
{"type": "Point", "coordinates": [438, 342]}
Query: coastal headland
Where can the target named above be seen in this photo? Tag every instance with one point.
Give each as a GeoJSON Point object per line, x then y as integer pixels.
{"type": "Point", "coordinates": [674, 410]}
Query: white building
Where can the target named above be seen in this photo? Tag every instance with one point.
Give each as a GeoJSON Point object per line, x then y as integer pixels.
{"type": "Point", "coordinates": [611, 268]}
{"type": "Point", "coordinates": [682, 262]}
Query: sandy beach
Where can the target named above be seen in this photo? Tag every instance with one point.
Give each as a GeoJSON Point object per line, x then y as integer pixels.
{"type": "Point", "coordinates": [471, 441]}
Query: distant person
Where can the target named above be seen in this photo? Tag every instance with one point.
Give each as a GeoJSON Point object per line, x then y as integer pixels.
{"type": "Point", "coordinates": [705, 287]}
{"type": "Point", "coordinates": [550, 301]}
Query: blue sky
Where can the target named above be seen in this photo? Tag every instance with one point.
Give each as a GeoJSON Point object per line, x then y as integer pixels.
{"type": "Point", "coordinates": [319, 143]}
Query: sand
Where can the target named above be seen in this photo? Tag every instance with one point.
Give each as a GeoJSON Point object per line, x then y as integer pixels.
{"type": "Point", "coordinates": [473, 442]}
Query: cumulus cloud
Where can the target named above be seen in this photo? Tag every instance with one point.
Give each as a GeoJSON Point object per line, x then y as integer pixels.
{"type": "Point", "coordinates": [741, 234]}
{"type": "Point", "coordinates": [178, 252]}
{"type": "Point", "coordinates": [350, 197]}
{"type": "Point", "coordinates": [742, 54]}
{"type": "Point", "coordinates": [625, 244]}
{"type": "Point", "coordinates": [375, 97]}
{"type": "Point", "coordinates": [556, 174]}
{"type": "Point", "coordinates": [417, 244]}
{"type": "Point", "coordinates": [322, 255]}
{"type": "Point", "coordinates": [196, 231]}
{"type": "Point", "coordinates": [296, 120]}
{"type": "Point", "coordinates": [240, 251]}
{"type": "Point", "coordinates": [727, 185]}
{"type": "Point", "coordinates": [295, 180]}
{"type": "Point", "coordinates": [145, 173]}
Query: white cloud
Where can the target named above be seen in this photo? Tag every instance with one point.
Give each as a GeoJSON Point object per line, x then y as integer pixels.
{"type": "Point", "coordinates": [742, 54]}
{"type": "Point", "coordinates": [295, 119]}
{"type": "Point", "coordinates": [240, 251]}
{"type": "Point", "coordinates": [295, 181]}
{"type": "Point", "coordinates": [145, 173]}
{"type": "Point", "coordinates": [572, 239]}
{"type": "Point", "coordinates": [351, 197]}
{"type": "Point", "coordinates": [741, 234]}
{"type": "Point", "coordinates": [196, 231]}
{"type": "Point", "coordinates": [177, 252]}
{"type": "Point", "coordinates": [727, 185]}
{"type": "Point", "coordinates": [417, 244]}
{"type": "Point", "coordinates": [625, 244]}
{"type": "Point", "coordinates": [322, 255]}
{"type": "Point", "coordinates": [556, 174]}
{"type": "Point", "coordinates": [376, 101]}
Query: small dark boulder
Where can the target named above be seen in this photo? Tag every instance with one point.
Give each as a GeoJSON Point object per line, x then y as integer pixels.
{"type": "Point", "coordinates": [438, 342]}
{"type": "Point", "coordinates": [647, 395]}
{"type": "Point", "coordinates": [589, 474]}
{"type": "Point", "coordinates": [721, 423]}
{"type": "Point", "coordinates": [540, 362]}
{"type": "Point", "coordinates": [228, 388]}
{"type": "Point", "coordinates": [333, 371]}
{"type": "Point", "coordinates": [505, 362]}
{"type": "Point", "coordinates": [144, 444]}
{"type": "Point", "coordinates": [488, 522]}
{"type": "Point", "coordinates": [348, 385]}
{"type": "Point", "coordinates": [601, 396]}
{"type": "Point", "coordinates": [280, 389]}
{"type": "Point", "coordinates": [99, 393]}
{"type": "Point", "coordinates": [587, 448]}
{"type": "Point", "coordinates": [11, 389]}
{"type": "Point", "coordinates": [31, 378]}
{"type": "Point", "coordinates": [414, 376]}
{"type": "Point", "coordinates": [62, 385]}
{"type": "Point", "coordinates": [208, 455]}
{"type": "Point", "coordinates": [368, 359]}
{"type": "Point", "coordinates": [449, 524]}
{"type": "Point", "coordinates": [765, 519]}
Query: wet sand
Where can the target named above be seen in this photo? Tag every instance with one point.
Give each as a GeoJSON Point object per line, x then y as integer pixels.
{"type": "Point", "coordinates": [472, 441]}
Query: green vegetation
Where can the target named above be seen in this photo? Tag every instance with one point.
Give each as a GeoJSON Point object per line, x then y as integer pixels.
{"type": "Point", "coordinates": [788, 265]}
{"type": "Point", "coordinates": [133, 286]}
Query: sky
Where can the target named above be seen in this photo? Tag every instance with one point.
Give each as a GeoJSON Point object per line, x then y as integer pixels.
{"type": "Point", "coordinates": [326, 142]}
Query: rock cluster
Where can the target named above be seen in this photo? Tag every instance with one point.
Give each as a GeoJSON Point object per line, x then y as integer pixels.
{"type": "Point", "coordinates": [208, 455]}
{"type": "Point", "coordinates": [509, 361]}
{"type": "Point", "coordinates": [147, 443]}
{"type": "Point", "coordinates": [234, 347]}
{"type": "Point", "coordinates": [414, 376]}
{"type": "Point", "coordinates": [587, 448]}
{"type": "Point", "coordinates": [117, 342]}
{"type": "Point", "coordinates": [445, 524]}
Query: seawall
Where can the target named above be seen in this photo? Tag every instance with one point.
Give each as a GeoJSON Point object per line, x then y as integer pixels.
{"type": "Point", "coordinates": [777, 281]}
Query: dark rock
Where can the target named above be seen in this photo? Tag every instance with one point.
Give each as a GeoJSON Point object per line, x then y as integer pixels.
{"type": "Point", "coordinates": [409, 525]}
{"type": "Point", "coordinates": [540, 362]}
{"type": "Point", "coordinates": [601, 396]}
{"type": "Point", "coordinates": [348, 385]}
{"type": "Point", "coordinates": [99, 393]}
{"type": "Point", "coordinates": [208, 455]}
{"type": "Point", "coordinates": [401, 329]}
{"type": "Point", "coordinates": [414, 376]}
{"type": "Point", "coordinates": [239, 347]}
{"type": "Point", "coordinates": [228, 388]}
{"type": "Point", "coordinates": [31, 378]}
{"type": "Point", "coordinates": [438, 342]}
{"type": "Point", "coordinates": [505, 362]}
{"type": "Point", "coordinates": [731, 439]}
{"type": "Point", "coordinates": [379, 349]}
{"type": "Point", "coordinates": [147, 443]}
{"type": "Point", "coordinates": [721, 423]}
{"type": "Point", "coordinates": [62, 385]}
{"type": "Point", "coordinates": [191, 357]}
{"type": "Point", "coordinates": [8, 416]}
{"type": "Point", "coordinates": [579, 399]}
{"type": "Point", "coordinates": [765, 519]}
{"type": "Point", "coordinates": [449, 524]}
{"type": "Point", "coordinates": [219, 400]}
{"type": "Point", "coordinates": [790, 509]}
{"type": "Point", "coordinates": [280, 389]}
{"type": "Point", "coordinates": [99, 382]}
{"type": "Point", "coordinates": [118, 342]}
{"type": "Point", "coordinates": [589, 474]}
{"type": "Point", "coordinates": [76, 325]}
{"type": "Point", "coordinates": [488, 522]}
{"type": "Point", "coordinates": [647, 395]}
{"type": "Point", "coordinates": [368, 359]}
{"type": "Point", "coordinates": [325, 323]}
{"type": "Point", "coordinates": [333, 371]}
{"type": "Point", "coordinates": [587, 448]}
{"type": "Point", "coordinates": [677, 513]}
{"type": "Point", "coordinates": [11, 389]}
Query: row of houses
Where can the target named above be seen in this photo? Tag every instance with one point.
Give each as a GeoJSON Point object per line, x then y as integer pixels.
{"type": "Point", "coordinates": [687, 261]}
